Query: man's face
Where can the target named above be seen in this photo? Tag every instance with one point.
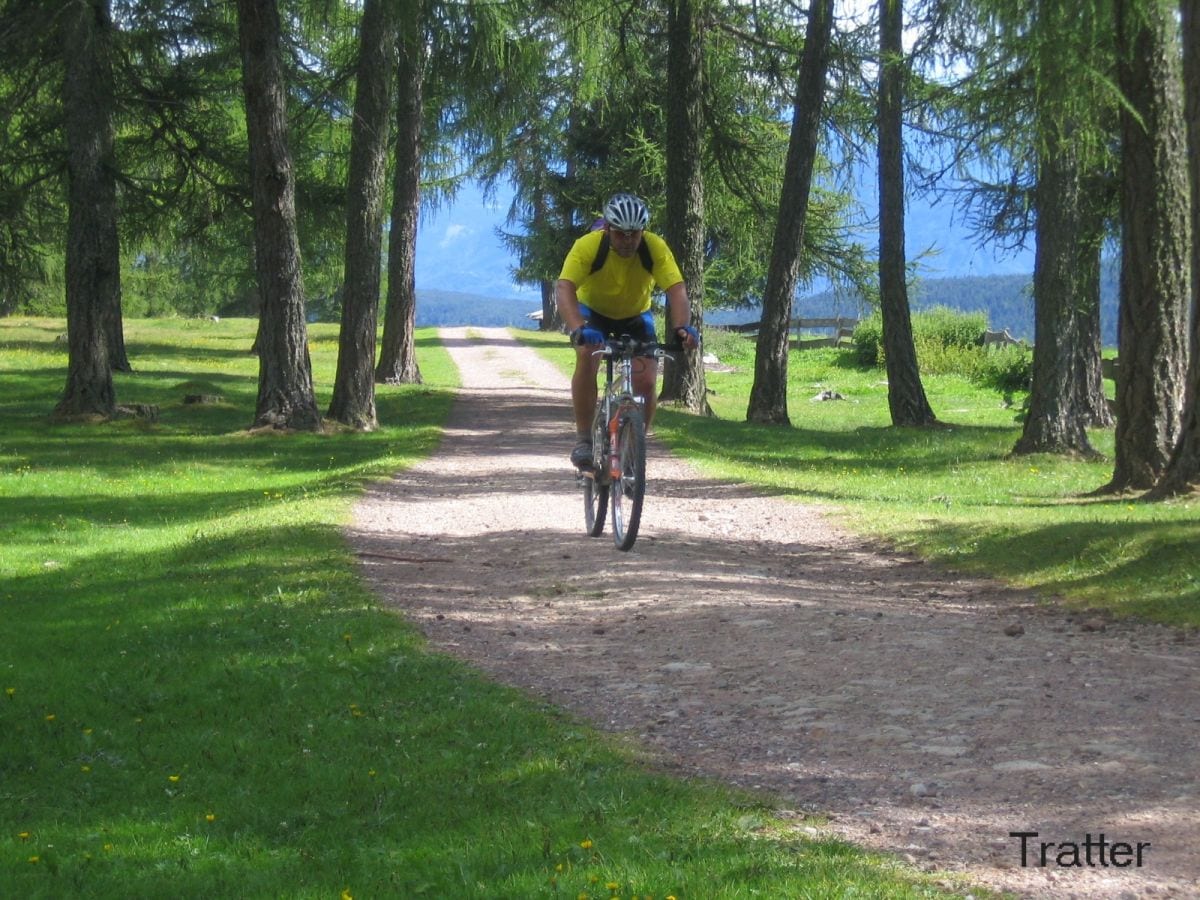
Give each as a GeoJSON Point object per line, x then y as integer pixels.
{"type": "Point", "coordinates": [624, 243]}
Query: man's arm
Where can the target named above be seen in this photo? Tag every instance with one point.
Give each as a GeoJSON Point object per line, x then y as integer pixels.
{"type": "Point", "coordinates": [567, 300]}
{"type": "Point", "coordinates": [679, 314]}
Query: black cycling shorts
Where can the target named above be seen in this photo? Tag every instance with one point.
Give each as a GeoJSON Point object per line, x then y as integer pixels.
{"type": "Point", "coordinates": [639, 327]}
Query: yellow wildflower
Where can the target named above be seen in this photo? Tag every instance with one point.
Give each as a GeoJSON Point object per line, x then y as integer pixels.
{"type": "Point", "coordinates": [586, 845]}
{"type": "Point", "coordinates": [172, 778]}
{"type": "Point", "coordinates": [210, 817]}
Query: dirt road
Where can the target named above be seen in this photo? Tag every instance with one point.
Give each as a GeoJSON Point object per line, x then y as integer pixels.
{"type": "Point", "coordinates": [752, 639]}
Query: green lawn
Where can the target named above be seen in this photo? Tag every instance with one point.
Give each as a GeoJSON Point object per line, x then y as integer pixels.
{"type": "Point", "coordinates": [954, 494]}
{"type": "Point", "coordinates": [200, 698]}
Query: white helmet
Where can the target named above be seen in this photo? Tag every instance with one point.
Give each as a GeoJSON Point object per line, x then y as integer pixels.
{"type": "Point", "coordinates": [626, 212]}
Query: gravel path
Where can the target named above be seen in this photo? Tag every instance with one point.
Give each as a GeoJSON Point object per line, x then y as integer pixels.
{"type": "Point", "coordinates": [753, 640]}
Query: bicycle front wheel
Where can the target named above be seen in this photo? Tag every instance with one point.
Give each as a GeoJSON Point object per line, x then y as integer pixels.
{"type": "Point", "coordinates": [595, 504]}
{"type": "Point", "coordinates": [628, 488]}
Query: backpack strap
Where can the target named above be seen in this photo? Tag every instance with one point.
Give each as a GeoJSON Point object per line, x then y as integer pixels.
{"type": "Point", "coordinates": [644, 253]}
{"type": "Point", "coordinates": [602, 255]}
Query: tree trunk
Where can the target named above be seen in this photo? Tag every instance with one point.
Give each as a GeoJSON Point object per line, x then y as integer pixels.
{"type": "Point", "coordinates": [1183, 468]}
{"type": "Point", "coordinates": [906, 394]}
{"type": "Point", "coordinates": [551, 321]}
{"type": "Point", "coordinates": [1063, 271]}
{"type": "Point", "coordinates": [285, 389]}
{"type": "Point", "coordinates": [398, 354]}
{"type": "Point", "coordinates": [683, 378]}
{"type": "Point", "coordinates": [353, 401]}
{"type": "Point", "coordinates": [1155, 261]}
{"type": "Point", "coordinates": [768, 395]}
{"type": "Point", "coordinates": [93, 256]}
{"type": "Point", "coordinates": [1091, 404]}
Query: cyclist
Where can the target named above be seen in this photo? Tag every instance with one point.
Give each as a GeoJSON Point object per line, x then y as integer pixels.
{"type": "Point", "coordinates": [602, 294]}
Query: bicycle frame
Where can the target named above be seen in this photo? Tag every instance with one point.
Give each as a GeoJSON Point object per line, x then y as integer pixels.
{"type": "Point", "coordinates": [618, 475]}
{"type": "Point", "coordinates": [619, 354]}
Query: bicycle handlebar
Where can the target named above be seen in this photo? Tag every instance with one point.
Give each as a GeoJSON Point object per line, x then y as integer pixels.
{"type": "Point", "coordinates": [628, 346]}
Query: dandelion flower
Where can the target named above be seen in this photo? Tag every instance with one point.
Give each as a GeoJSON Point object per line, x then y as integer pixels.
{"type": "Point", "coordinates": [23, 835]}
{"type": "Point", "coordinates": [612, 886]}
{"type": "Point", "coordinates": [346, 894]}
{"type": "Point", "coordinates": [172, 778]}
{"type": "Point", "coordinates": [586, 845]}
{"type": "Point", "coordinates": [50, 717]}
{"type": "Point", "coordinates": [10, 691]}
{"type": "Point", "coordinates": [210, 817]}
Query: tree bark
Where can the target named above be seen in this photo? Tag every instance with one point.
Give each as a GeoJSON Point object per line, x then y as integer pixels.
{"type": "Point", "coordinates": [398, 354]}
{"type": "Point", "coordinates": [1155, 247]}
{"type": "Point", "coordinates": [285, 389]}
{"type": "Point", "coordinates": [1091, 404]}
{"type": "Point", "coordinates": [1065, 270]}
{"type": "Point", "coordinates": [93, 256]}
{"type": "Point", "coordinates": [551, 321]}
{"type": "Point", "coordinates": [683, 378]}
{"type": "Point", "coordinates": [906, 395]}
{"type": "Point", "coordinates": [1183, 469]}
{"type": "Point", "coordinates": [768, 395]}
{"type": "Point", "coordinates": [353, 401]}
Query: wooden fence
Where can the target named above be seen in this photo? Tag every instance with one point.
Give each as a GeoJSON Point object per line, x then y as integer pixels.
{"type": "Point", "coordinates": [840, 328]}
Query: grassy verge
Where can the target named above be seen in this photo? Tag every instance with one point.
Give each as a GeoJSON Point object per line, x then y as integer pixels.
{"type": "Point", "coordinates": [953, 495]}
{"type": "Point", "coordinates": [199, 698]}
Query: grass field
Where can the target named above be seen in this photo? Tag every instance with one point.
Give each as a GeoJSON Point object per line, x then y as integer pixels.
{"type": "Point", "coordinates": [199, 697]}
{"type": "Point", "coordinates": [955, 494]}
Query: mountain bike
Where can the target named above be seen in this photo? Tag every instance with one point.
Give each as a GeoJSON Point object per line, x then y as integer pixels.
{"type": "Point", "coordinates": [616, 481]}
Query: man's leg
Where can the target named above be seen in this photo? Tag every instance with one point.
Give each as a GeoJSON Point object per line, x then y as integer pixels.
{"type": "Point", "coordinates": [583, 389]}
{"type": "Point", "coordinates": [645, 384]}
{"type": "Point", "coordinates": [583, 403]}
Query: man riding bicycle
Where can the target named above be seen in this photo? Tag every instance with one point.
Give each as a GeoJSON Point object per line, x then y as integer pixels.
{"type": "Point", "coordinates": [602, 294]}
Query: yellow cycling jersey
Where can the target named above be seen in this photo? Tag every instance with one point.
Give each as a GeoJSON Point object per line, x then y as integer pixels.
{"type": "Point", "coordinates": [621, 287]}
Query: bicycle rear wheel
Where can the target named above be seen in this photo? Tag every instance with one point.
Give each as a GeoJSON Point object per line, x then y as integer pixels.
{"type": "Point", "coordinates": [629, 490]}
{"type": "Point", "coordinates": [595, 504]}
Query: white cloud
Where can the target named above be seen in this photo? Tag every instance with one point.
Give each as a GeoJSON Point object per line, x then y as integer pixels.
{"type": "Point", "coordinates": [453, 233]}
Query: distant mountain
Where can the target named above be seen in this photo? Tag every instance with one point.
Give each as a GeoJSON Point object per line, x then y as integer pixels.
{"type": "Point", "coordinates": [436, 308]}
{"type": "Point", "coordinates": [1007, 301]}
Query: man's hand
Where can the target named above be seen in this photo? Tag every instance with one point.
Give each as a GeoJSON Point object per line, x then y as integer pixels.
{"type": "Point", "coordinates": [587, 336]}
{"type": "Point", "coordinates": [688, 336]}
